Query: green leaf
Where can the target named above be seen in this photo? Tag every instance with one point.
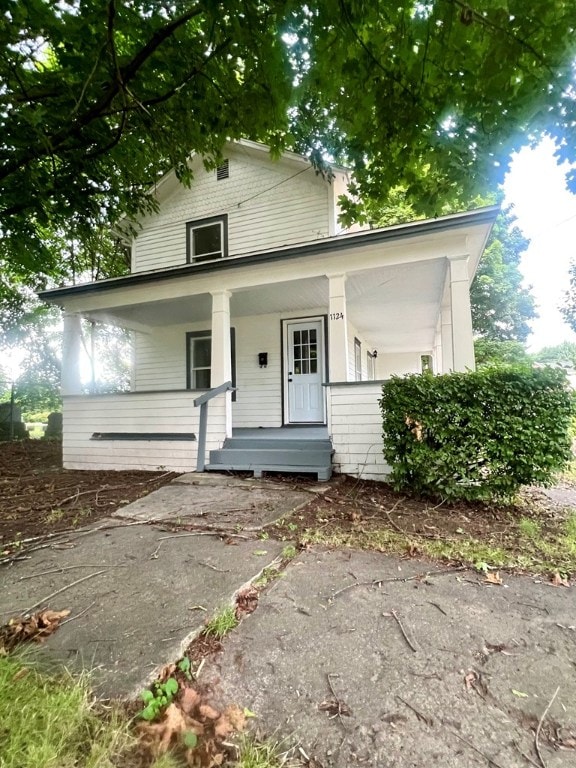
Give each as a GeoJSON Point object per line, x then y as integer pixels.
{"type": "Point", "coordinates": [171, 686]}
{"type": "Point", "coordinates": [190, 739]}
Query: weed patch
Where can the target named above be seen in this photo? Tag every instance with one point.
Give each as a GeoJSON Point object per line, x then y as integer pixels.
{"type": "Point", "coordinates": [222, 623]}
{"type": "Point", "coordinates": [50, 720]}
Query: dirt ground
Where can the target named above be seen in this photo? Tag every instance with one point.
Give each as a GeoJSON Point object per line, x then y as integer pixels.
{"type": "Point", "coordinates": [38, 497]}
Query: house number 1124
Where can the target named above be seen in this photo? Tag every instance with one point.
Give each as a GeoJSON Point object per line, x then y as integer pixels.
{"type": "Point", "coordinates": [336, 315]}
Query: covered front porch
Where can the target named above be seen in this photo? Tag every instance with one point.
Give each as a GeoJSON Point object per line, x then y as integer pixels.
{"type": "Point", "coordinates": [302, 340]}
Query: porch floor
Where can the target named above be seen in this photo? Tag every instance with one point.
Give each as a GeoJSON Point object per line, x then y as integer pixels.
{"type": "Point", "coordinates": [283, 433]}
{"type": "Point", "coordinates": [299, 449]}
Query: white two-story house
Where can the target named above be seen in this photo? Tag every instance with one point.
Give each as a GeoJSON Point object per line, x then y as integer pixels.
{"type": "Point", "coordinates": [263, 330]}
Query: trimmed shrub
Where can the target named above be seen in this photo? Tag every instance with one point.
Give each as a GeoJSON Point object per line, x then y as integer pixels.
{"type": "Point", "coordinates": [478, 435]}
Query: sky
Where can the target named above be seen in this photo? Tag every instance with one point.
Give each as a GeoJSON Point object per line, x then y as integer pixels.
{"type": "Point", "coordinates": [546, 214]}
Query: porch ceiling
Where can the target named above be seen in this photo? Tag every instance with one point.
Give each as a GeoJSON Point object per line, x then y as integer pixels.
{"type": "Point", "coordinates": [395, 308]}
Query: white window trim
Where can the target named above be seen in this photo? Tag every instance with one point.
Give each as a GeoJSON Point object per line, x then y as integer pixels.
{"type": "Point", "coordinates": [357, 359]}
{"type": "Point", "coordinates": [192, 226]}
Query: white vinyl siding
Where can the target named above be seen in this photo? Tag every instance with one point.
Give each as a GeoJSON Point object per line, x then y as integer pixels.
{"type": "Point", "coordinates": [398, 363]}
{"type": "Point", "coordinates": [353, 335]}
{"type": "Point", "coordinates": [149, 412]}
{"type": "Point", "coordinates": [268, 204]}
{"type": "Point", "coordinates": [355, 425]}
{"type": "Point", "coordinates": [160, 364]}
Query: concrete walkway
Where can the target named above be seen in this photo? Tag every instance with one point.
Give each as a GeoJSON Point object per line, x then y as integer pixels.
{"type": "Point", "coordinates": [440, 670]}
{"type": "Point", "coordinates": [138, 593]}
{"type": "Point", "coordinates": [447, 670]}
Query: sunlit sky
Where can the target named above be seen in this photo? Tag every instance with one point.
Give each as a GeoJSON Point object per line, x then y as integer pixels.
{"type": "Point", "coordinates": [546, 213]}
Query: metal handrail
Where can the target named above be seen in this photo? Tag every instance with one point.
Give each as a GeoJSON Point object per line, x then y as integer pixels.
{"type": "Point", "coordinates": [203, 401]}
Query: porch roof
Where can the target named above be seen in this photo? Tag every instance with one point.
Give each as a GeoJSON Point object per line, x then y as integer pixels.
{"type": "Point", "coordinates": [322, 247]}
{"type": "Point", "coordinates": [396, 279]}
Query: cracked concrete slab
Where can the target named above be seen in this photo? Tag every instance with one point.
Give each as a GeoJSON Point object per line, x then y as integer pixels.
{"type": "Point", "coordinates": [487, 661]}
{"type": "Point", "coordinates": [220, 502]}
{"type": "Point", "coordinates": [145, 598]}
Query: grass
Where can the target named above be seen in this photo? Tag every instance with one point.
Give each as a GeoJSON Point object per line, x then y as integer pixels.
{"type": "Point", "coordinates": [49, 721]}
{"type": "Point", "coordinates": [222, 623]}
{"type": "Point", "coordinates": [526, 547]}
{"type": "Point", "coordinates": [262, 754]}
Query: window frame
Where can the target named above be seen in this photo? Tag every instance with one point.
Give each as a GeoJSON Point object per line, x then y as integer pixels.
{"type": "Point", "coordinates": [191, 226]}
{"type": "Point", "coordinates": [370, 366]}
{"type": "Point", "coordinates": [207, 334]}
{"type": "Point", "coordinates": [357, 359]}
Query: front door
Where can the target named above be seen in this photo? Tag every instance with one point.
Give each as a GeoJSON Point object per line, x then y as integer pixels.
{"type": "Point", "coordinates": [304, 357]}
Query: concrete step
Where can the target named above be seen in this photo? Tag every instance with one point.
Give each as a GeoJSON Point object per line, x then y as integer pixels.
{"type": "Point", "coordinates": [272, 456]}
{"type": "Point", "coordinates": [249, 443]}
{"type": "Point", "coordinates": [322, 473]}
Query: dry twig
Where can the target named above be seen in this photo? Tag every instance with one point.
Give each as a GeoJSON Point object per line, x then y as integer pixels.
{"type": "Point", "coordinates": [425, 719]}
{"type": "Point", "coordinates": [490, 760]}
{"type": "Point", "coordinates": [63, 589]}
{"type": "Point", "coordinates": [379, 582]}
{"type": "Point", "coordinates": [78, 615]}
{"type": "Point", "coordinates": [410, 643]}
{"type": "Point", "coordinates": [539, 728]}
{"type": "Point", "coordinates": [68, 568]}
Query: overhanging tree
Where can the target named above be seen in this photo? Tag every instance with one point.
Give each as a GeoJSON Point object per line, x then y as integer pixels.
{"type": "Point", "coordinates": [501, 306]}
{"type": "Point", "coordinates": [99, 98]}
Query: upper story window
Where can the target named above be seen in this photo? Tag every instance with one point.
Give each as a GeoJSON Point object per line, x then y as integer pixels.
{"type": "Point", "coordinates": [207, 239]}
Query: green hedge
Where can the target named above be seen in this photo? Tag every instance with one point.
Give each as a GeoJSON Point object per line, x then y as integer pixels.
{"type": "Point", "coordinates": [477, 435]}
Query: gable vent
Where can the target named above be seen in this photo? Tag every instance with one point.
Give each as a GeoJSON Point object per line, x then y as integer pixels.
{"type": "Point", "coordinates": [223, 171]}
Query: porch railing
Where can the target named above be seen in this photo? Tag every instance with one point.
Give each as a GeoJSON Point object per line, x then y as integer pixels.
{"type": "Point", "coordinates": [202, 402]}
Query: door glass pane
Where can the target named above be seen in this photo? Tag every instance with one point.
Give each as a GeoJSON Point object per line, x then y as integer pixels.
{"type": "Point", "coordinates": [305, 366]}
{"type": "Point", "coordinates": [313, 334]}
{"type": "Point", "coordinates": [296, 337]}
{"type": "Point", "coordinates": [297, 367]}
{"type": "Point", "coordinates": [305, 337]}
{"type": "Point", "coordinates": [313, 366]}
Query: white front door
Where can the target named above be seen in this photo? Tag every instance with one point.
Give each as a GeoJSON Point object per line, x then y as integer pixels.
{"type": "Point", "coordinates": [304, 358]}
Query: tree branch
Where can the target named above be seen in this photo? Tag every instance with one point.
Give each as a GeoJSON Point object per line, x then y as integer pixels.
{"type": "Point", "coordinates": [121, 78]}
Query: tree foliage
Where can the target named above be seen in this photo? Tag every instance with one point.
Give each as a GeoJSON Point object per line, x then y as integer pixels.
{"type": "Point", "coordinates": [501, 306]}
{"type": "Point", "coordinates": [490, 352]}
{"type": "Point", "coordinates": [568, 308]}
{"type": "Point", "coordinates": [563, 355]}
{"type": "Point", "coordinates": [100, 97]}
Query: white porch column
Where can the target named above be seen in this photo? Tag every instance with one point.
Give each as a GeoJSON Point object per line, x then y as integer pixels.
{"type": "Point", "coordinates": [446, 339]}
{"type": "Point", "coordinates": [221, 370]}
{"type": "Point", "coordinates": [462, 337]}
{"type": "Point", "coordinates": [337, 328]}
{"type": "Point", "coordinates": [71, 345]}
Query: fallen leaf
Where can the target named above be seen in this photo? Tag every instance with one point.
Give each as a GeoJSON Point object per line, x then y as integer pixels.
{"type": "Point", "coordinates": [559, 581]}
{"type": "Point", "coordinates": [189, 700]}
{"type": "Point", "coordinates": [520, 694]}
{"type": "Point", "coordinates": [493, 578]}
{"type": "Point", "coordinates": [36, 627]}
{"type": "Point", "coordinates": [470, 679]}
{"type": "Point", "coordinates": [335, 707]}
